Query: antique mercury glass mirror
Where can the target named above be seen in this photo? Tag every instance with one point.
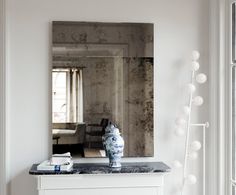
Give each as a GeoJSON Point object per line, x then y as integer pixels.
{"type": "Point", "coordinates": [101, 73]}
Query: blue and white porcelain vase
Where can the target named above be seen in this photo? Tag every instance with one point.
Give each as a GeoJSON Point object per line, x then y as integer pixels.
{"type": "Point", "coordinates": [114, 145]}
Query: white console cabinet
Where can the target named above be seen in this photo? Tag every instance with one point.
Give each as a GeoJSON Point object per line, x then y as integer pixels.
{"type": "Point", "coordinates": [101, 184]}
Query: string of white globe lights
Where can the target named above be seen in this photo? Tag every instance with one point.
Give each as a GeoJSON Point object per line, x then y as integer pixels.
{"type": "Point", "coordinates": [183, 127]}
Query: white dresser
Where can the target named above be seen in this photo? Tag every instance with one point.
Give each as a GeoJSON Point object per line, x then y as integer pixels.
{"type": "Point", "coordinates": [99, 179]}
{"type": "Point", "coordinates": [101, 184]}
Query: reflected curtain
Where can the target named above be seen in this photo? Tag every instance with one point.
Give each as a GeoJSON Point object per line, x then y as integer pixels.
{"type": "Point", "coordinates": [76, 98]}
{"type": "Point", "coordinates": [80, 95]}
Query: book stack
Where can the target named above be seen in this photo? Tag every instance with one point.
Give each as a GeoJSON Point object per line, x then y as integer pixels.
{"type": "Point", "coordinates": [58, 162]}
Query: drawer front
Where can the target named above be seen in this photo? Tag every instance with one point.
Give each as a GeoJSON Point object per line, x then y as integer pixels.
{"type": "Point", "coordinates": [107, 191]}
{"type": "Point", "coordinates": [57, 182]}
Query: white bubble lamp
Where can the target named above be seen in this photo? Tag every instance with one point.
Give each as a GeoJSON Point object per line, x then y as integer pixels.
{"type": "Point", "coordinates": [191, 149]}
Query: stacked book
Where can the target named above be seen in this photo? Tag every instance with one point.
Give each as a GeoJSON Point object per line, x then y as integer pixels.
{"type": "Point", "coordinates": [58, 162]}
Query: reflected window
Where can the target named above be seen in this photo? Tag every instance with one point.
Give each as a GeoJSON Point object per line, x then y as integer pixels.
{"type": "Point", "coordinates": [67, 95]}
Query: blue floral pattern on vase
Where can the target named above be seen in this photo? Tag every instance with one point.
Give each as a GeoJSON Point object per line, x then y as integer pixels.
{"type": "Point", "coordinates": [114, 145]}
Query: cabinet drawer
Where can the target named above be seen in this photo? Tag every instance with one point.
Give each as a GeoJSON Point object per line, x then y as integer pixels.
{"type": "Point", "coordinates": [106, 191]}
{"type": "Point", "coordinates": [56, 182]}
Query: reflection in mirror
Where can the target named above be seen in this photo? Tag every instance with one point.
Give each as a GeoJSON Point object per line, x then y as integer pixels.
{"type": "Point", "coordinates": [101, 73]}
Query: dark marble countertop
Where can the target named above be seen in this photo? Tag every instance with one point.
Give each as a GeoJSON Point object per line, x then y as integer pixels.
{"type": "Point", "coordinates": [103, 168]}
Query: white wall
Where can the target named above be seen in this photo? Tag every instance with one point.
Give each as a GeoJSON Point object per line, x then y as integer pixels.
{"type": "Point", "coordinates": [180, 27]}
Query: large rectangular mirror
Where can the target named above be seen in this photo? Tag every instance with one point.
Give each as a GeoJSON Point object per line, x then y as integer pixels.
{"type": "Point", "coordinates": [102, 72]}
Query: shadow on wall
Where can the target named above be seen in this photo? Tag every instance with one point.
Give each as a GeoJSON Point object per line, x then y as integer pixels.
{"type": "Point", "coordinates": [22, 183]}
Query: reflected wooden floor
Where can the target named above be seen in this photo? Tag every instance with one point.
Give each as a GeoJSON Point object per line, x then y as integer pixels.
{"type": "Point", "coordinates": [94, 152]}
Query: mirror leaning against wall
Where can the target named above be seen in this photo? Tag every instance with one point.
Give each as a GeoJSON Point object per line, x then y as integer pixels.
{"type": "Point", "coordinates": [101, 73]}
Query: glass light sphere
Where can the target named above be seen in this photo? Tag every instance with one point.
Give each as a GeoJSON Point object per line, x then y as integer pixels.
{"type": "Point", "coordinates": [180, 121]}
{"type": "Point", "coordinates": [179, 131]}
{"type": "Point", "coordinates": [195, 55]}
{"type": "Point", "coordinates": [195, 65]}
{"type": "Point", "coordinates": [198, 101]}
{"type": "Point", "coordinates": [201, 78]}
{"type": "Point", "coordinates": [186, 110]}
{"type": "Point", "coordinates": [193, 155]}
{"type": "Point", "coordinates": [195, 145]}
{"type": "Point", "coordinates": [191, 88]}
{"type": "Point", "coordinates": [177, 164]}
{"type": "Point", "coordinates": [191, 179]}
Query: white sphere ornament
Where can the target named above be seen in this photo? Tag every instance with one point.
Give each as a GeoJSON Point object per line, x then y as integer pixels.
{"type": "Point", "coordinates": [198, 101]}
{"type": "Point", "coordinates": [191, 179]}
{"type": "Point", "coordinates": [177, 164]}
{"type": "Point", "coordinates": [195, 55]}
{"type": "Point", "coordinates": [201, 78]}
{"type": "Point", "coordinates": [191, 88]}
{"type": "Point", "coordinates": [180, 121]}
{"type": "Point", "coordinates": [179, 132]}
{"type": "Point", "coordinates": [195, 145]}
{"type": "Point", "coordinates": [193, 155]}
{"type": "Point", "coordinates": [186, 110]}
{"type": "Point", "coordinates": [195, 66]}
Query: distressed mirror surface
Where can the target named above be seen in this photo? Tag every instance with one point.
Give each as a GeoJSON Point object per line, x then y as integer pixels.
{"type": "Point", "coordinates": [102, 72]}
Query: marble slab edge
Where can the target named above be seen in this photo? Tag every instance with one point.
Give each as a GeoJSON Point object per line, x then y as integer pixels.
{"type": "Point", "coordinates": [103, 168]}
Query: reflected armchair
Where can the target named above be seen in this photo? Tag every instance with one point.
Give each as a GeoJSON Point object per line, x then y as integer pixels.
{"type": "Point", "coordinates": [96, 131]}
